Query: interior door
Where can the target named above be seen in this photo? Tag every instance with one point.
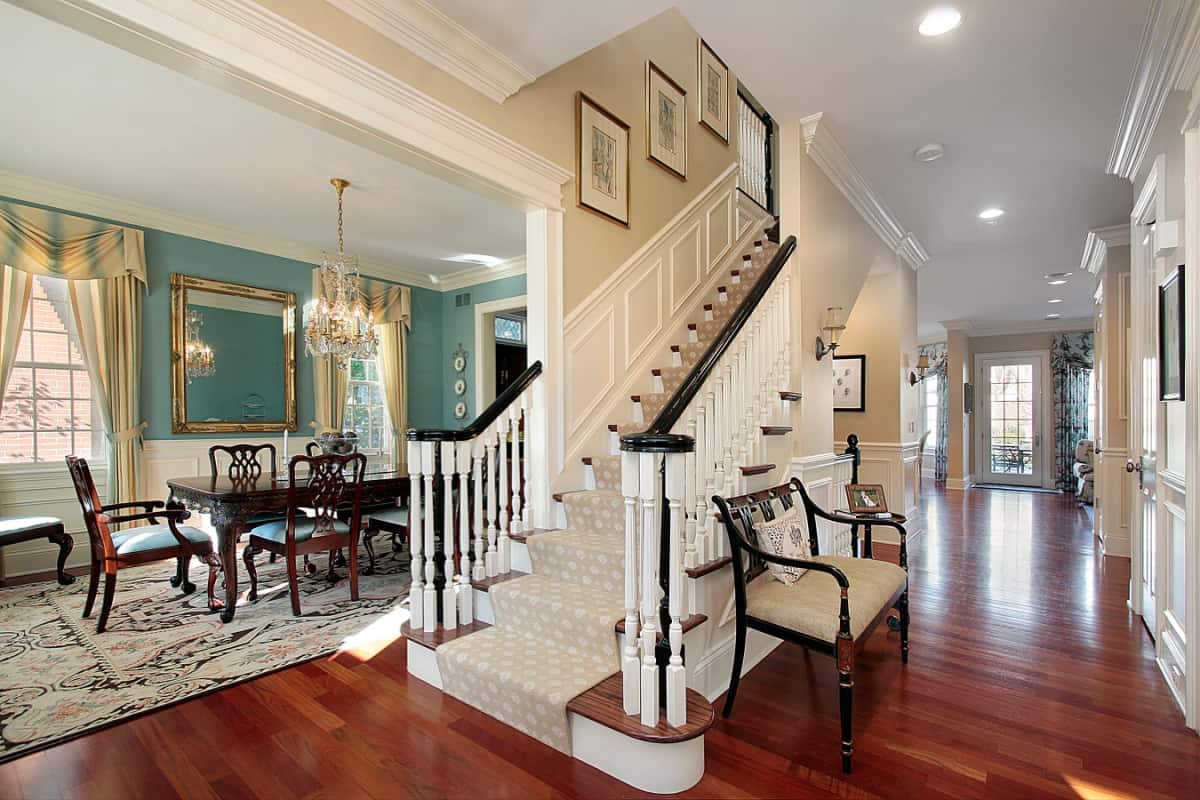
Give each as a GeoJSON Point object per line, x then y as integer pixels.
{"type": "Point", "coordinates": [1010, 424]}
{"type": "Point", "coordinates": [1144, 427]}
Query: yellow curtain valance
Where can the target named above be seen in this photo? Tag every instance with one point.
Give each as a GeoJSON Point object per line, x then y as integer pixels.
{"type": "Point", "coordinates": [387, 301]}
{"type": "Point", "coordinates": [52, 243]}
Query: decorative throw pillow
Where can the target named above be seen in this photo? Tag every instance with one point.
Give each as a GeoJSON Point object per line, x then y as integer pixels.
{"type": "Point", "coordinates": [787, 536]}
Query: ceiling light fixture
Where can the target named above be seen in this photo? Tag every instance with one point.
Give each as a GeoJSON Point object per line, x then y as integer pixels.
{"type": "Point", "coordinates": [475, 258]}
{"type": "Point", "coordinates": [1058, 282]}
{"type": "Point", "coordinates": [937, 21]}
{"type": "Point", "coordinates": [1050, 276]}
{"type": "Point", "coordinates": [928, 153]}
{"type": "Point", "coordinates": [1055, 300]}
{"type": "Point", "coordinates": [991, 214]}
{"type": "Point", "coordinates": [1054, 316]}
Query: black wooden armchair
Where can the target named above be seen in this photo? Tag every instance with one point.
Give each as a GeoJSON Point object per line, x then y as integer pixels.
{"type": "Point", "coordinates": [831, 609]}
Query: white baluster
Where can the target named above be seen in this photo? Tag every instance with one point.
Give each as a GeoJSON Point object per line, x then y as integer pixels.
{"type": "Point", "coordinates": [416, 594]}
{"type": "Point", "coordinates": [466, 596]}
{"type": "Point", "coordinates": [529, 510]}
{"type": "Point", "coordinates": [502, 521]}
{"type": "Point", "coordinates": [691, 557]}
{"type": "Point", "coordinates": [514, 424]}
{"type": "Point", "coordinates": [450, 589]}
{"type": "Point", "coordinates": [477, 452]}
{"type": "Point", "coordinates": [429, 467]}
{"type": "Point", "coordinates": [493, 514]}
{"type": "Point", "coordinates": [676, 676]}
{"type": "Point", "coordinates": [648, 490]}
{"type": "Point", "coordinates": [631, 682]}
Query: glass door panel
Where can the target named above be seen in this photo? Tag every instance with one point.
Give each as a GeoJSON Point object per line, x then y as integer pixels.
{"type": "Point", "coordinates": [1010, 418]}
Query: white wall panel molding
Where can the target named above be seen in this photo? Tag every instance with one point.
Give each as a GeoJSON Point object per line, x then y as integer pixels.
{"type": "Point", "coordinates": [1112, 502]}
{"type": "Point", "coordinates": [417, 26]}
{"type": "Point", "coordinates": [895, 466]}
{"type": "Point", "coordinates": [1096, 244]}
{"type": "Point", "coordinates": [623, 328]}
{"type": "Point", "coordinates": [827, 153]}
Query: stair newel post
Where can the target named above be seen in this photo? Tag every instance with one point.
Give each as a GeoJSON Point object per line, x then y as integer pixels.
{"type": "Point", "coordinates": [429, 601]}
{"type": "Point", "coordinates": [450, 575]}
{"type": "Point", "coordinates": [466, 597]}
{"type": "Point", "coordinates": [493, 509]}
{"type": "Point", "coordinates": [515, 467]}
{"type": "Point", "coordinates": [417, 568]}
{"type": "Point", "coordinates": [648, 488]}
{"type": "Point", "coordinates": [479, 571]}
{"type": "Point", "coordinates": [502, 521]}
{"type": "Point", "coordinates": [631, 664]}
{"type": "Point", "coordinates": [676, 471]}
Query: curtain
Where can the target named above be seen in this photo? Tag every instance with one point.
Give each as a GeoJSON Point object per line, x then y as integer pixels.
{"type": "Point", "coordinates": [1071, 361]}
{"type": "Point", "coordinates": [108, 315]}
{"type": "Point", "coordinates": [391, 307]}
{"type": "Point", "coordinates": [15, 287]}
{"type": "Point", "coordinates": [937, 367]}
{"type": "Point", "coordinates": [105, 268]}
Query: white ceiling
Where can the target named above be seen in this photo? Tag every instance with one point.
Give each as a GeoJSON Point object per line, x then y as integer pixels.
{"type": "Point", "coordinates": [1025, 96]}
{"type": "Point", "coordinates": [97, 118]}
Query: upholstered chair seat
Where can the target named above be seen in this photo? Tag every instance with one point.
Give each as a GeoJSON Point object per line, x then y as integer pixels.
{"type": "Point", "coordinates": [392, 515]}
{"type": "Point", "coordinates": [277, 531]}
{"type": "Point", "coordinates": [12, 527]}
{"type": "Point", "coordinates": [810, 605]}
{"type": "Point", "coordinates": [155, 537]}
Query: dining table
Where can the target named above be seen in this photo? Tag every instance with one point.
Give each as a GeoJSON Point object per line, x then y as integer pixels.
{"type": "Point", "coordinates": [231, 504]}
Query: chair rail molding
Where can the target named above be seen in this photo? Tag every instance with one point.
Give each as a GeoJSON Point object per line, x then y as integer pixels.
{"type": "Point", "coordinates": [268, 56]}
{"type": "Point", "coordinates": [612, 336]}
{"type": "Point", "coordinates": [417, 26]}
{"type": "Point", "coordinates": [1168, 59]}
{"type": "Point", "coordinates": [827, 153]}
{"type": "Point", "coordinates": [1096, 244]}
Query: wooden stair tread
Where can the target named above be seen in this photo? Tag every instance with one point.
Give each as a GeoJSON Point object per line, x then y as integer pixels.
{"type": "Point", "coordinates": [434, 639]}
{"type": "Point", "coordinates": [775, 430]}
{"type": "Point", "coordinates": [604, 704]}
{"type": "Point", "coordinates": [523, 535]}
{"type": "Point", "coordinates": [757, 469]}
{"type": "Point", "coordinates": [694, 621]}
{"type": "Point", "coordinates": [613, 427]}
{"type": "Point", "coordinates": [712, 566]}
{"type": "Point", "coordinates": [791, 397]}
{"type": "Point", "coordinates": [487, 583]}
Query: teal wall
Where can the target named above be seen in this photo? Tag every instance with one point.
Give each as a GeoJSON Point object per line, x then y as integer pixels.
{"type": "Point", "coordinates": [458, 325]}
{"type": "Point", "coordinates": [252, 370]}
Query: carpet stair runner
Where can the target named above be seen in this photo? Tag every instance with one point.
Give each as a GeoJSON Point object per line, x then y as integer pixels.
{"type": "Point", "coordinates": [554, 637]}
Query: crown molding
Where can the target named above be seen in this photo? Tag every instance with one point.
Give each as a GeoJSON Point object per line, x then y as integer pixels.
{"type": "Point", "coordinates": [419, 27]}
{"type": "Point", "coordinates": [1047, 326]}
{"type": "Point", "coordinates": [1096, 244]}
{"type": "Point", "coordinates": [81, 201]}
{"type": "Point", "coordinates": [1167, 59]}
{"type": "Point", "coordinates": [827, 153]}
{"type": "Point", "coordinates": [475, 275]}
{"type": "Point", "coordinates": [957, 324]}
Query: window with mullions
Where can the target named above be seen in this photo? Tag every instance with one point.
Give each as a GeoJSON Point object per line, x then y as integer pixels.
{"type": "Point", "coordinates": [510, 329]}
{"type": "Point", "coordinates": [366, 412]}
{"type": "Point", "coordinates": [48, 411]}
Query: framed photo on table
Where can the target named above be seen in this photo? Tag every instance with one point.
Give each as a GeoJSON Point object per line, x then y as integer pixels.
{"type": "Point", "coordinates": [713, 80]}
{"type": "Point", "coordinates": [866, 498]}
{"type": "Point", "coordinates": [666, 122]}
{"type": "Point", "coordinates": [849, 383]}
{"type": "Point", "coordinates": [601, 160]}
{"type": "Point", "coordinates": [1171, 332]}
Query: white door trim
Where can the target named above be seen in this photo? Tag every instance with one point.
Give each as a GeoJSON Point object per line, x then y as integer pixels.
{"type": "Point", "coordinates": [485, 355]}
{"type": "Point", "coordinates": [1044, 423]}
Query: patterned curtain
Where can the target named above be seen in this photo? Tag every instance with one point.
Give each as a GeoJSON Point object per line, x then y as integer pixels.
{"type": "Point", "coordinates": [1071, 357]}
{"type": "Point", "coordinates": [937, 366]}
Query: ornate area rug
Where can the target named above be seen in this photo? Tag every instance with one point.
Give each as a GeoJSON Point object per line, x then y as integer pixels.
{"type": "Point", "coordinates": [60, 679]}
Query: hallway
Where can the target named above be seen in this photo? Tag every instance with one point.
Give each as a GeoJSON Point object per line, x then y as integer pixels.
{"type": "Point", "coordinates": [1028, 678]}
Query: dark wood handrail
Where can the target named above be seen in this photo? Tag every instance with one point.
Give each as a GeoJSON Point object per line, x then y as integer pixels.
{"type": "Point", "coordinates": [486, 417]}
{"type": "Point", "coordinates": [657, 436]}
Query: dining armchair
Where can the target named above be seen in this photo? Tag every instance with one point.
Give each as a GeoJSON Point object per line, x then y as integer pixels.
{"type": "Point", "coordinates": [831, 604]}
{"type": "Point", "coordinates": [332, 482]}
{"type": "Point", "coordinates": [158, 541]}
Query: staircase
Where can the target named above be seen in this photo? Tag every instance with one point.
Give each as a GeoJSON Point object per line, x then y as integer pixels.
{"type": "Point", "coordinates": [560, 633]}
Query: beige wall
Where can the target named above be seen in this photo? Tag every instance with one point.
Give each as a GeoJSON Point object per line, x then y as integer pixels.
{"type": "Point", "coordinates": [883, 327]}
{"type": "Point", "coordinates": [541, 116]}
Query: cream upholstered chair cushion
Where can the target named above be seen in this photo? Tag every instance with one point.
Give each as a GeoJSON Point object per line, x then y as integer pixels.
{"type": "Point", "coordinates": [787, 536]}
{"type": "Point", "coordinates": [811, 605]}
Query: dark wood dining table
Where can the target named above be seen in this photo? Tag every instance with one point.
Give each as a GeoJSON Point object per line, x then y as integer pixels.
{"type": "Point", "coordinates": [230, 506]}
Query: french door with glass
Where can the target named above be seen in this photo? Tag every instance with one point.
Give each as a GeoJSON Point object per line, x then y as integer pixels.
{"type": "Point", "coordinates": [1010, 423]}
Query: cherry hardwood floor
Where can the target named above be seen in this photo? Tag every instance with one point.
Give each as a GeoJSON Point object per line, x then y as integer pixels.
{"type": "Point", "coordinates": [1028, 678]}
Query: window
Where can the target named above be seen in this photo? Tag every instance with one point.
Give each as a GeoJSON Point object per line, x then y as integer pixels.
{"type": "Point", "coordinates": [1092, 425]}
{"type": "Point", "coordinates": [931, 411]}
{"type": "Point", "coordinates": [48, 410]}
{"type": "Point", "coordinates": [366, 413]}
{"type": "Point", "coordinates": [510, 329]}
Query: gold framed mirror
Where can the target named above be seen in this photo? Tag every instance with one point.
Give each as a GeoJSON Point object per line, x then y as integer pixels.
{"type": "Point", "coordinates": [233, 357]}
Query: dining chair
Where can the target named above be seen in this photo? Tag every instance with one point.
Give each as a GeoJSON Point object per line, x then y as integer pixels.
{"type": "Point", "coordinates": [326, 488]}
{"type": "Point", "coordinates": [111, 551]}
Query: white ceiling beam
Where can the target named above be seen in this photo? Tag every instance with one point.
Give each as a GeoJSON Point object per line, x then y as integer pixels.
{"type": "Point", "coordinates": [827, 153]}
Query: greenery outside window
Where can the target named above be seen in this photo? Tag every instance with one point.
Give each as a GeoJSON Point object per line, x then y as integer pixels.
{"type": "Point", "coordinates": [366, 411]}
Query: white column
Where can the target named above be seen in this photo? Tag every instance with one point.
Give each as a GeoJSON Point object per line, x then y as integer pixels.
{"type": "Point", "coordinates": [630, 663]}
{"type": "Point", "coordinates": [676, 676]}
{"type": "Point", "coordinates": [544, 428]}
{"type": "Point", "coordinates": [450, 590]}
{"type": "Point", "coordinates": [416, 539]}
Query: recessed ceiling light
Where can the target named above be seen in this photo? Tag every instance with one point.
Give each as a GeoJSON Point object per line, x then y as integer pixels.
{"type": "Point", "coordinates": [1054, 316]}
{"type": "Point", "coordinates": [937, 21]}
{"type": "Point", "coordinates": [1058, 282]}
{"type": "Point", "coordinates": [475, 258]}
{"type": "Point", "coordinates": [1055, 300]}
{"type": "Point", "coordinates": [989, 214]}
{"type": "Point", "coordinates": [929, 152]}
{"type": "Point", "coordinates": [1055, 275]}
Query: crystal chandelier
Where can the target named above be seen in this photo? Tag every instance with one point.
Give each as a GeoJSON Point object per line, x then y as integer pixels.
{"type": "Point", "coordinates": [339, 324]}
{"type": "Point", "coordinates": [198, 356]}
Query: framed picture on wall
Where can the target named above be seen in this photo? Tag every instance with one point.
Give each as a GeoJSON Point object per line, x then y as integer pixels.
{"type": "Point", "coordinates": [713, 80]}
{"type": "Point", "coordinates": [666, 122]}
{"type": "Point", "coordinates": [601, 161]}
{"type": "Point", "coordinates": [849, 383]}
{"type": "Point", "coordinates": [1171, 334]}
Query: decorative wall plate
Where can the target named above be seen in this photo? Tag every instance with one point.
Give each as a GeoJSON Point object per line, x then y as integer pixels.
{"type": "Point", "coordinates": [460, 387]}
{"type": "Point", "coordinates": [460, 410]}
{"type": "Point", "coordinates": [460, 363]}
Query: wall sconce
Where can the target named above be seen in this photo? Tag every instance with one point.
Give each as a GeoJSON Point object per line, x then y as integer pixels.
{"type": "Point", "coordinates": [922, 367]}
{"type": "Point", "coordinates": [833, 328]}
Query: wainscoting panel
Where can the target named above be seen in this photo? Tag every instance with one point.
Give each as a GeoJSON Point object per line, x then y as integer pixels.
{"type": "Point", "coordinates": [895, 466]}
{"type": "Point", "coordinates": [825, 477]}
{"type": "Point", "coordinates": [623, 329]}
{"type": "Point", "coordinates": [1112, 502]}
{"type": "Point", "coordinates": [36, 490]}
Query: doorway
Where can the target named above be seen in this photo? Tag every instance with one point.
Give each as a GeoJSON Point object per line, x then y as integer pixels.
{"type": "Point", "coordinates": [1013, 418]}
{"type": "Point", "coordinates": [501, 342]}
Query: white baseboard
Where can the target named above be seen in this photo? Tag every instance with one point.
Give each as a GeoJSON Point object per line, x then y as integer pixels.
{"type": "Point", "coordinates": [657, 767]}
